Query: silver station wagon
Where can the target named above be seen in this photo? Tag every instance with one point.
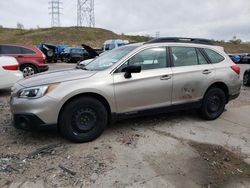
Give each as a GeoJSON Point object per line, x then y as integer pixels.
{"type": "Point", "coordinates": [158, 76]}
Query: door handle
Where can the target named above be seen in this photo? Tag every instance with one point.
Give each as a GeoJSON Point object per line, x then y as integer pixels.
{"type": "Point", "coordinates": [20, 56]}
{"type": "Point", "coordinates": [206, 72]}
{"type": "Point", "coordinates": [165, 77]}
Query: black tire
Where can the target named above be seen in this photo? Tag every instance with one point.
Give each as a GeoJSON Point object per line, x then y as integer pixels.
{"type": "Point", "coordinates": [213, 104]}
{"type": "Point", "coordinates": [246, 78]}
{"type": "Point", "coordinates": [50, 53]}
{"type": "Point", "coordinates": [67, 60]}
{"type": "Point", "coordinates": [28, 70]}
{"type": "Point", "coordinates": [83, 119]}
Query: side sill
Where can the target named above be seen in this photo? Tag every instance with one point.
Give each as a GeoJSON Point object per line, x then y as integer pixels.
{"type": "Point", "coordinates": [154, 111]}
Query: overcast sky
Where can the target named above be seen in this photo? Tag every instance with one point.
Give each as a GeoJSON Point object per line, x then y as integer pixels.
{"type": "Point", "coordinates": [213, 19]}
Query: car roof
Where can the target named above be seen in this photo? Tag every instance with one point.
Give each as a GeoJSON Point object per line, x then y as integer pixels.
{"type": "Point", "coordinates": [181, 40]}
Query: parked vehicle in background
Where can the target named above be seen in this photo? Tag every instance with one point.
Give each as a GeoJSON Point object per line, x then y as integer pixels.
{"type": "Point", "coordinates": [157, 76]}
{"type": "Point", "coordinates": [74, 55]}
{"type": "Point", "coordinates": [114, 43]}
{"type": "Point", "coordinates": [235, 58]}
{"type": "Point", "coordinates": [49, 51]}
{"type": "Point", "coordinates": [31, 60]}
{"type": "Point", "coordinates": [245, 58]}
{"type": "Point", "coordinates": [52, 51]}
{"type": "Point", "coordinates": [93, 53]}
{"type": "Point", "coordinates": [246, 78]}
{"type": "Point", "coordinates": [9, 72]}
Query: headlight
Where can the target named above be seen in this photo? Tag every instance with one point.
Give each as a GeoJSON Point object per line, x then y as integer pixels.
{"type": "Point", "coordinates": [36, 92]}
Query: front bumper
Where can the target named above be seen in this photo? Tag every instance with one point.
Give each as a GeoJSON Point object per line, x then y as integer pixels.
{"type": "Point", "coordinates": [46, 109]}
{"type": "Point", "coordinates": [27, 121]}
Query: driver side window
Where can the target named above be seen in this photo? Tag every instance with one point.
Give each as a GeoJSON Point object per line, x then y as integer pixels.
{"type": "Point", "coordinates": [153, 58]}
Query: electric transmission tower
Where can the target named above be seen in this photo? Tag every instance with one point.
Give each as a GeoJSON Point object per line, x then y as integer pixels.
{"type": "Point", "coordinates": [86, 13]}
{"type": "Point", "coordinates": [55, 11]}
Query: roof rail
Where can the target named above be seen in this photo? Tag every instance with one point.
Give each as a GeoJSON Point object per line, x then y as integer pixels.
{"type": "Point", "coordinates": [181, 40]}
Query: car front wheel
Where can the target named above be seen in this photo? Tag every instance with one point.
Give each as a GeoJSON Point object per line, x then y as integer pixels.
{"type": "Point", "coordinates": [213, 104]}
{"type": "Point", "coordinates": [83, 119]}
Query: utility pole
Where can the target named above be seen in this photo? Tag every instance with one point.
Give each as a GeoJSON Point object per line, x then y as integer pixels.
{"type": "Point", "coordinates": [157, 34]}
{"type": "Point", "coordinates": [86, 13]}
{"type": "Point", "coordinates": [55, 12]}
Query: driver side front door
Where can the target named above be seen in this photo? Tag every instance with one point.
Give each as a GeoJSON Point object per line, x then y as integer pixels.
{"type": "Point", "coordinates": [151, 88]}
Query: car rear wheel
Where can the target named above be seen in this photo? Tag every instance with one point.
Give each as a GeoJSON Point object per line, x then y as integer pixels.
{"type": "Point", "coordinates": [213, 104]}
{"type": "Point", "coordinates": [83, 119]}
{"type": "Point", "coordinates": [50, 53]}
{"type": "Point", "coordinates": [28, 70]}
{"type": "Point", "coordinates": [246, 79]}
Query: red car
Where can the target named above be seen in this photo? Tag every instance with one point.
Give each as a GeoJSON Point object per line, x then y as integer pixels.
{"type": "Point", "coordinates": [31, 60]}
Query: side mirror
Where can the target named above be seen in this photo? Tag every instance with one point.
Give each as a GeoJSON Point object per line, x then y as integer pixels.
{"type": "Point", "coordinates": [131, 69]}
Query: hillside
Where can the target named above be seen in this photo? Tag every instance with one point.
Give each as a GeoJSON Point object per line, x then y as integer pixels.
{"type": "Point", "coordinates": [75, 36]}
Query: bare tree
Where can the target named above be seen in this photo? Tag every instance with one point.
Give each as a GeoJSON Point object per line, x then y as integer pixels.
{"type": "Point", "coordinates": [235, 40]}
{"type": "Point", "coordinates": [20, 26]}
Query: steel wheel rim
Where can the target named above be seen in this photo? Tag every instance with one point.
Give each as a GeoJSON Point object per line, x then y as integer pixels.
{"type": "Point", "coordinates": [84, 119]}
{"type": "Point", "coordinates": [28, 71]}
{"type": "Point", "coordinates": [214, 103]}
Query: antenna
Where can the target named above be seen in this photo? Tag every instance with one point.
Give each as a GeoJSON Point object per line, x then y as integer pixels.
{"type": "Point", "coordinates": [86, 13]}
{"type": "Point", "coordinates": [55, 12]}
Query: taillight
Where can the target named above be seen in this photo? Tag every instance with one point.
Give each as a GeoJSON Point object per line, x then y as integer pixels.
{"type": "Point", "coordinates": [44, 57]}
{"type": "Point", "coordinates": [236, 69]}
{"type": "Point", "coordinates": [11, 67]}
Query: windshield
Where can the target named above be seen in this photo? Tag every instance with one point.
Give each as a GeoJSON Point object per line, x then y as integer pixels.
{"type": "Point", "coordinates": [109, 58]}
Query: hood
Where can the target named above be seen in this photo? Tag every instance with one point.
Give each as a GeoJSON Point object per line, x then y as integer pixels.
{"type": "Point", "coordinates": [55, 77]}
{"type": "Point", "coordinates": [91, 51]}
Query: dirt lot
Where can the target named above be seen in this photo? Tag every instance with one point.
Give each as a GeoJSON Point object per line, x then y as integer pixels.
{"type": "Point", "coordinates": [170, 150]}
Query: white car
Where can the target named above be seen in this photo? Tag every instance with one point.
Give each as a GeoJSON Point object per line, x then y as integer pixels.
{"type": "Point", "coordinates": [9, 72]}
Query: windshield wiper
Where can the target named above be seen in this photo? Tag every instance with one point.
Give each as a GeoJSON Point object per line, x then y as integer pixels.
{"type": "Point", "coordinates": [83, 68]}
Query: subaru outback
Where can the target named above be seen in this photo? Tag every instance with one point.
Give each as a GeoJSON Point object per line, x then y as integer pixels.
{"type": "Point", "coordinates": [158, 76]}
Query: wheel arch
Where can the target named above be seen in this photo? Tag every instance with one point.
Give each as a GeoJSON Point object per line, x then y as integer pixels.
{"type": "Point", "coordinates": [29, 63]}
{"type": "Point", "coordinates": [99, 97]}
{"type": "Point", "coordinates": [247, 71]}
{"type": "Point", "coordinates": [222, 86]}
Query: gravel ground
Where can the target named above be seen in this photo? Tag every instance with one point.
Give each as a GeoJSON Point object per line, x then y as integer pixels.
{"type": "Point", "coordinates": [169, 150]}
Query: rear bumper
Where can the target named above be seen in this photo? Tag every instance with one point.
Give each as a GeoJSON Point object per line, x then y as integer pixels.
{"type": "Point", "coordinates": [232, 97]}
{"type": "Point", "coordinates": [30, 122]}
{"type": "Point", "coordinates": [43, 68]}
{"type": "Point", "coordinates": [10, 79]}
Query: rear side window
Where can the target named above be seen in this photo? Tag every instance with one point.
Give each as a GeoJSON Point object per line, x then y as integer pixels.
{"type": "Point", "coordinates": [10, 50]}
{"type": "Point", "coordinates": [214, 56]}
{"type": "Point", "coordinates": [109, 46]}
{"type": "Point", "coordinates": [27, 51]}
{"type": "Point", "coordinates": [184, 56]}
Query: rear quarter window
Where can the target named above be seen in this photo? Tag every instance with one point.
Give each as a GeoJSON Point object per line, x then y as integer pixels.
{"type": "Point", "coordinates": [27, 51]}
{"type": "Point", "coordinates": [214, 56]}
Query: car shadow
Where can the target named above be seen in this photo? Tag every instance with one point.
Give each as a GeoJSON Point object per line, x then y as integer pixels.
{"type": "Point", "coordinates": [172, 118]}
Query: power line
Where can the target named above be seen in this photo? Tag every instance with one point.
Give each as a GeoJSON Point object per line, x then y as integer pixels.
{"type": "Point", "coordinates": [86, 13]}
{"type": "Point", "coordinates": [55, 12]}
